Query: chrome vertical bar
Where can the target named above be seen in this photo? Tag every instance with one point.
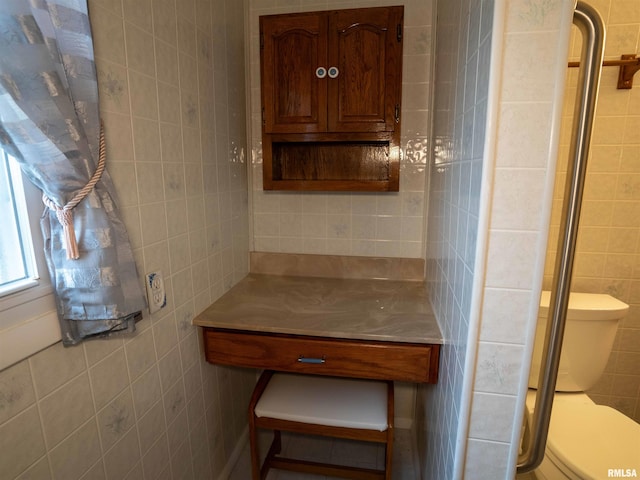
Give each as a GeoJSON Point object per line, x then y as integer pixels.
{"type": "Point", "coordinates": [590, 24]}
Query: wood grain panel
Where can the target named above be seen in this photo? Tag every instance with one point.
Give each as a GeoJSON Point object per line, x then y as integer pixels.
{"type": "Point", "coordinates": [293, 97]}
{"type": "Point", "coordinates": [365, 44]}
{"type": "Point", "coordinates": [363, 100]}
{"type": "Point", "coordinates": [348, 358]}
{"type": "Point", "coordinates": [331, 161]}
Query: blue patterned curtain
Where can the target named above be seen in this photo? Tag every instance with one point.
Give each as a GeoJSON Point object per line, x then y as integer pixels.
{"type": "Point", "coordinates": [49, 121]}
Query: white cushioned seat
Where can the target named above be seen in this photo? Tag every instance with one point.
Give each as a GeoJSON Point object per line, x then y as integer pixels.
{"type": "Point", "coordinates": [338, 402]}
{"type": "Point", "coordinates": [309, 404]}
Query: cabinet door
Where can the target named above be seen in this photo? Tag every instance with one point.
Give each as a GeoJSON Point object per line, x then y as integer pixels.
{"type": "Point", "coordinates": [293, 95]}
{"type": "Point", "coordinates": [366, 46]}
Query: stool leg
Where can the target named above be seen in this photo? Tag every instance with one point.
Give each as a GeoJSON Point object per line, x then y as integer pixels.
{"type": "Point", "coordinates": [255, 453]}
{"type": "Point", "coordinates": [274, 449]}
{"type": "Point", "coordinates": [388, 465]}
{"type": "Point", "coordinates": [390, 431]}
{"type": "Point", "coordinates": [253, 434]}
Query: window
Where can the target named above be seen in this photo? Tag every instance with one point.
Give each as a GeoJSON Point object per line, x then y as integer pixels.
{"type": "Point", "coordinates": [28, 321]}
{"type": "Point", "coordinates": [18, 269]}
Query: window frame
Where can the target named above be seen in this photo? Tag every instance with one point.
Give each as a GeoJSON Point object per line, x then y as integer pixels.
{"type": "Point", "coordinates": [28, 319]}
{"type": "Point", "coordinates": [15, 186]}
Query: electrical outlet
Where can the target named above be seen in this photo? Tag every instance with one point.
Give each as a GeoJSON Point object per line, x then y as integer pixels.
{"type": "Point", "coordinates": [155, 292]}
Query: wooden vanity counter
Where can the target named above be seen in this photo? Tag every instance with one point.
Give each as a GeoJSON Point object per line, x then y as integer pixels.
{"type": "Point", "coordinates": [380, 329]}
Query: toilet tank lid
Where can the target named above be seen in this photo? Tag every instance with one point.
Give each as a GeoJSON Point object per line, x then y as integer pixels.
{"type": "Point", "coordinates": [588, 306]}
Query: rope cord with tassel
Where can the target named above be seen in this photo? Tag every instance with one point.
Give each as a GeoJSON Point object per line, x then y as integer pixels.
{"type": "Point", "coordinates": [65, 214]}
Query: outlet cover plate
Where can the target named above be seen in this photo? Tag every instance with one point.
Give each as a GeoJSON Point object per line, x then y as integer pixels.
{"type": "Point", "coordinates": [155, 291]}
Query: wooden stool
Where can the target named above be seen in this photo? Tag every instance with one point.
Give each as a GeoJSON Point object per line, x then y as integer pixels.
{"type": "Point", "coordinates": [327, 406]}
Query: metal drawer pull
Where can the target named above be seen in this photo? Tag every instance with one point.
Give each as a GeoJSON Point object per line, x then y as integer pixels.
{"type": "Point", "coordinates": [303, 359]}
{"type": "Point", "coordinates": [333, 72]}
{"type": "Point", "coordinates": [321, 72]}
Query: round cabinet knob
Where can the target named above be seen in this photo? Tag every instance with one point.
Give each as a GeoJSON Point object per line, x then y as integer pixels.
{"type": "Point", "coordinates": [333, 72]}
{"type": "Point", "coordinates": [321, 72]}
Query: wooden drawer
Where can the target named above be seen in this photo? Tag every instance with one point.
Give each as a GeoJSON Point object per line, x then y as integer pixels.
{"type": "Point", "coordinates": [410, 362]}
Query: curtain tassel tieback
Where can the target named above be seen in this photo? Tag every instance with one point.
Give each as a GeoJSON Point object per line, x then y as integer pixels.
{"type": "Point", "coordinates": [65, 214]}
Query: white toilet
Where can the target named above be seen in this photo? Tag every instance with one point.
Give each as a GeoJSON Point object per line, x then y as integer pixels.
{"type": "Point", "coordinates": [585, 441]}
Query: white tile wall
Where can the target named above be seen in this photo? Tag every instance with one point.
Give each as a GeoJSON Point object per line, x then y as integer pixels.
{"type": "Point", "coordinates": [535, 42]}
{"type": "Point", "coordinates": [365, 224]}
{"type": "Point", "coordinates": [486, 238]}
{"type": "Point", "coordinates": [464, 34]}
{"type": "Point", "coordinates": [534, 63]}
{"type": "Point", "coordinates": [171, 81]}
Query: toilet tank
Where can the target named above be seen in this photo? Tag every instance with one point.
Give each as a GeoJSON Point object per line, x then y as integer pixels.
{"type": "Point", "coordinates": [592, 322]}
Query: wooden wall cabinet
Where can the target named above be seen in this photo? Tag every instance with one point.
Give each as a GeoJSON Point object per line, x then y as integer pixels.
{"type": "Point", "coordinates": [331, 88]}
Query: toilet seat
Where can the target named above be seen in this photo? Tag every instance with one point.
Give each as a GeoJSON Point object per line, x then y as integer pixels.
{"type": "Point", "coordinates": [586, 440]}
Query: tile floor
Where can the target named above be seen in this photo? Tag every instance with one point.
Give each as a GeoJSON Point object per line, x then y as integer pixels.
{"type": "Point", "coordinates": [336, 451]}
